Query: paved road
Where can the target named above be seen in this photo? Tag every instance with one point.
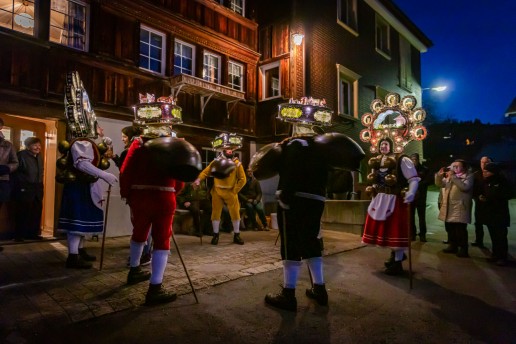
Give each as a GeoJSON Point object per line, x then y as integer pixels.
{"type": "Point", "coordinates": [453, 299]}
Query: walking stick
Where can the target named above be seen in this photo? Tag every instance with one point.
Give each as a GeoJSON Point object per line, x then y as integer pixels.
{"type": "Point", "coordinates": [409, 244]}
{"type": "Point", "coordinates": [105, 228]}
{"type": "Point", "coordinates": [184, 266]}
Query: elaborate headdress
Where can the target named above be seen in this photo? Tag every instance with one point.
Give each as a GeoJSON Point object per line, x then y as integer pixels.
{"type": "Point", "coordinates": [398, 120]}
{"type": "Point", "coordinates": [80, 116]}
{"type": "Point", "coordinates": [226, 141]}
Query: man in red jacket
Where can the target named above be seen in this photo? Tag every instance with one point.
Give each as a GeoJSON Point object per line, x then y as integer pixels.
{"type": "Point", "coordinates": [151, 195]}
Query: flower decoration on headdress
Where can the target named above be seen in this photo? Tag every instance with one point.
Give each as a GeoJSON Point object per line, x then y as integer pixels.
{"type": "Point", "coordinates": [396, 119]}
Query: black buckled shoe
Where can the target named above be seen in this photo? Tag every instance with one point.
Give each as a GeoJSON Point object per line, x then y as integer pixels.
{"type": "Point", "coordinates": [137, 275]}
{"type": "Point", "coordinates": [215, 239]}
{"type": "Point", "coordinates": [286, 299]}
{"type": "Point", "coordinates": [237, 239]}
{"type": "Point", "coordinates": [85, 256]}
{"type": "Point", "coordinates": [389, 261]}
{"type": "Point", "coordinates": [74, 261]}
{"type": "Point", "coordinates": [395, 269]}
{"type": "Point", "coordinates": [318, 293]}
{"type": "Point", "coordinates": [156, 295]}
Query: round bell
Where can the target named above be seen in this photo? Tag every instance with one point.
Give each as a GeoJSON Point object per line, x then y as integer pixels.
{"type": "Point", "coordinates": [222, 167]}
{"type": "Point", "coordinates": [266, 161]}
{"type": "Point", "coordinates": [391, 180]}
{"type": "Point", "coordinates": [104, 164]}
{"type": "Point", "coordinates": [62, 163]}
{"type": "Point", "coordinates": [63, 147]}
{"type": "Point", "coordinates": [374, 163]}
{"type": "Point", "coordinates": [176, 157]}
{"type": "Point", "coordinates": [369, 191]}
{"type": "Point", "coordinates": [371, 177]}
{"type": "Point", "coordinates": [102, 148]}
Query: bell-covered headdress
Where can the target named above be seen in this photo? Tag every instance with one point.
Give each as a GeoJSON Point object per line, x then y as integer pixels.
{"type": "Point", "coordinates": [304, 114]}
{"type": "Point", "coordinates": [157, 117]}
{"type": "Point", "coordinates": [398, 120]}
{"type": "Point", "coordinates": [79, 114]}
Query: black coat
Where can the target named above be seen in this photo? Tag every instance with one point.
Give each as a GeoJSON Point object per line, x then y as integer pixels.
{"type": "Point", "coordinates": [493, 201]}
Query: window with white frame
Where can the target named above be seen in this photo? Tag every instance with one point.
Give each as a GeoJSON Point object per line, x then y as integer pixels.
{"type": "Point", "coordinates": [348, 91]}
{"type": "Point", "coordinates": [347, 15]}
{"type": "Point", "coordinates": [405, 64]}
{"type": "Point", "coordinates": [184, 58]}
{"type": "Point", "coordinates": [235, 75]}
{"type": "Point", "coordinates": [270, 80]}
{"type": "Point", "coordinates": [69, 23]}
{"type": "Point", "coordinates": [237, 6]}
{"type": "Point", "coordinates": [152, 50]}
{"type": "Point", "coordinates": [383, 31]}
{"type": "Point", "coordinates": [211, 68]}
{"type": "Point", "coordinates": [17, 15]}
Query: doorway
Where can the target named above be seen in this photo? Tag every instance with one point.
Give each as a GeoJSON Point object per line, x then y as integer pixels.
{"type": "Point", "coordinates": [16, 130]}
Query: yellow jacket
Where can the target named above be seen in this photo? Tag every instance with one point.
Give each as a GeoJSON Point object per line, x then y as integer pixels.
{"type": "Point", "coordinates": [235, 181]}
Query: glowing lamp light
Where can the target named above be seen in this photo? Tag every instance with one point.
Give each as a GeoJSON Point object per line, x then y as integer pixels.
{"type": "Point", "coordinates": [297, 38]}
{"type": "Point", "coordinates": [25, 20]}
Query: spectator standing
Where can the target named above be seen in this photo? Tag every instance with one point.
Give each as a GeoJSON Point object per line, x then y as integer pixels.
{"type": "Point", "coordinates": [494, 200]}
{"type": "Point", "coordinates": [129, 133]}
{"type": "Point", "coordinates": [8, 164]}
{"type": "Point", "coordinates": [480, 211]}
{"type": "Point", "coordinates": [419, 204]}
{"type": "Point", "coordinates": [28, 191]}
{"type": "Point", "coordinates": [251, 199]}
{"type": "Point", "coordinates": [456, 205]}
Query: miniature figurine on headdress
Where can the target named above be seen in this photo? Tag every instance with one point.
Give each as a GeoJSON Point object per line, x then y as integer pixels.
{"type": "Point", "coordinates": [303, 162]}
{"type": "Point", "coordinates": [80, 167]}
{"type": "Point", "coordinates": [393, 179]}
{"type": "Point", "coordinates": [154, 171]}
{"type": "Point", "coordinates": [229, 178]}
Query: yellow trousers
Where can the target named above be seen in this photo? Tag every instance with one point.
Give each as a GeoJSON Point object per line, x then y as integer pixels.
{"type": "Point", "coordinates": [219, 197]}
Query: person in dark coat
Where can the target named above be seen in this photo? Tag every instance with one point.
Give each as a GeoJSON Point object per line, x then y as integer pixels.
{"type": "Point", "coordinates": [251, 199]}
{"type": "Point", "coordinates": [479, 209]}
{"type": "Point", "coordinates": [28, 191]}
{"type": "Point", "coordinates": [494, 197]}
{"type": "Point", "coordinates": [419, 204]}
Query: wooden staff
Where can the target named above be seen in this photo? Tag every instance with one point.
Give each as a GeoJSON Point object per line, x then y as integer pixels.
{"type": "Point", "coordinates": [105, 228]}
{"type": "Point", "coordinates": [184, 266]}
{"type": "Point", "coordinates": [409, 205]}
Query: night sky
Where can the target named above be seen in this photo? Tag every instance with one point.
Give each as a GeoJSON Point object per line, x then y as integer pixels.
{"type": "Point", "coordinates": [474, 54]}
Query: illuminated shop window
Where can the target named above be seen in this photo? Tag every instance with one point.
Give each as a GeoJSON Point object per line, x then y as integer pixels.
{"type": "Point", "coordinates": [68, 23]}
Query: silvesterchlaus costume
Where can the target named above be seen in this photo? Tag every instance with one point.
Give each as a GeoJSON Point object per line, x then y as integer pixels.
{"type": "Point", "coordinates": [302, 162]}
{"type": "Point", "coordinates": [153, 172]}
{"type": "Point", "coordinates": [79, 169]}
{"type": "Point", "coordinates": [393, 179]}
{"type": "Point", "coordinates": [229, 179]}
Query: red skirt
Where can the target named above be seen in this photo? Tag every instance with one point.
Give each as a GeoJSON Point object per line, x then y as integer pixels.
{"type": "Point", "coordinates": [392, 232]}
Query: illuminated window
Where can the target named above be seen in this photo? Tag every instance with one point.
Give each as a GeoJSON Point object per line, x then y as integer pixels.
{"type": "Point", "coordinates": [235, 73]}
{"type": "Point", "coordinates": [347, 15]}
{"type": "Point", "coordinates": [184, 58]}
{"type": "Point", "coordinates": [17, 15]}
{"type": "Point", "coordinates": [271, 80]}
{"type": "Point", "coordinates": [211, 68]}
{"type": "Point", "coordinates": [7, 133]}
{"type": "Point", "coordinates": [348, 91]}
{"type": "Point", "coordinates": [152, 50]}
{"type": "Point", "coordinates": [68, 23]}
{"type": "Point", "coordinates": [383, 45]}
{"type": "Point", "coordinates": [237, 6]}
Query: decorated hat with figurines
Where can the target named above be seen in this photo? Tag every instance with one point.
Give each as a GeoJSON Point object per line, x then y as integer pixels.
{"type": "Point", "coordinates": [307, 111]}
{"type": "Point", "coordinates": [227, 141]}
{"type": "Point", "coordinates": [150, 112]}
{"type": "Point", "coordinates": [397, 119]}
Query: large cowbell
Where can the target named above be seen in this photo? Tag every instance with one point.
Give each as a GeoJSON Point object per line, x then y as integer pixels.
{"type": "Point", "coordinates": [339, 151]}
{"type": "Point", "coordinates": [176, 157]}
{"type": "Point", "coordinates": [265, 163]}
{"type": "Point", "coordinates": [222, 167]}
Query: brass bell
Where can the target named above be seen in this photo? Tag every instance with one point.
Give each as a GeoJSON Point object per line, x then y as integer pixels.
{"type": "Point", "coordinates": [104, 164]}
{"type": "Point", "coordinates": [63, 147]}
{"type": "Point", "coordinates": [371, 177]}
{"type": "Point", "coordinates": [374, 163]}
{"type": "Point", "coordinates": [369, 190]}
{"type": "Point", "coordinates": [62, 163]}
{"type": "Point", "coordinates": [391, 180]}
{"type": "Point", "coordinates": [390, 163]}
{"type": "Point", "coordinates": [102, 148]}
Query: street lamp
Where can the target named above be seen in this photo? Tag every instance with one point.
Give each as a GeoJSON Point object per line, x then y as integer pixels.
{"type": "Point", "coordinates": [437, 89]}
{"type": "Point", "coordinates": [297, 38]}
